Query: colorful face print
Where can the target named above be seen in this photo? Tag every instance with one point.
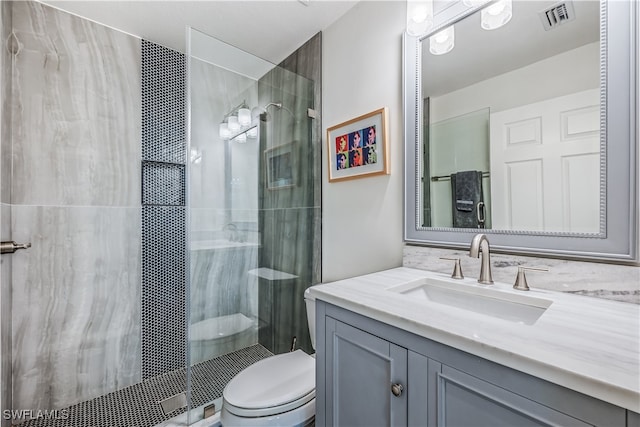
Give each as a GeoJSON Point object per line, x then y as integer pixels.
{"type": "Point", "coordinates": [342, 161]}
{"type": "Point", "coordinates": [342, 144]}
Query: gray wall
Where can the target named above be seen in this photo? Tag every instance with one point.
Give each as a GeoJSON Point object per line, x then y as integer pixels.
{"type": "Point", "coordinates": [75, 195]}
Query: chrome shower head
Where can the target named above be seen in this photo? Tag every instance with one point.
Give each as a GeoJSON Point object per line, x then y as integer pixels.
{"type": "Point", "coordinates": [257, 111]}
{"type": "Point", "coordinates": [274, 104]}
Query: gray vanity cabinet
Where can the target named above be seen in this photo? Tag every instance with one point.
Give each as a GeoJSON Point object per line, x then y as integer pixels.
{"type": "Point", "coordinates": [359, 360]}
{"type": "Point", "coordinates": [362, 368]}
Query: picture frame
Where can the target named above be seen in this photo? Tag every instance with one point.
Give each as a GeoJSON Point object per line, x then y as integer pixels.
{"type": "Point", "coordinates": [280, 168]}
{"type": "Point", "coordinates": [358, 147]}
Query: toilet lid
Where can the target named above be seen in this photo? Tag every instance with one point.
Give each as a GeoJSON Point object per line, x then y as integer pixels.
{"type": "Point", "coordinates": [272, 382]}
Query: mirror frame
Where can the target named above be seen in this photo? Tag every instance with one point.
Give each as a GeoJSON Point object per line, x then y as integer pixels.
{"type": "Point", "coordinates": [619, 101]}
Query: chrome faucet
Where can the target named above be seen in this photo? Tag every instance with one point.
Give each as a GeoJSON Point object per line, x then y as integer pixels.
{"type": "Point", "coordinates": [478, 244]}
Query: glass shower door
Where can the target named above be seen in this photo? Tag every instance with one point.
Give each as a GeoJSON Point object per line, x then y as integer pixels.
{"type": "Point", "coordinates": [251, 213]}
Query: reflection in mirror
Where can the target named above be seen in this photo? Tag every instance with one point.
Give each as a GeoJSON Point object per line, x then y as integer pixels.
{"type": "Point", "coordinates": [511, 124]}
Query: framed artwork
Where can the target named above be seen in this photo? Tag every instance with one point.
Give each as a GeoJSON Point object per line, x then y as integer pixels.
{"type": "Point", "coordinates": [358, 147]}
{"type": "Point", "coordinates": [280, 162]}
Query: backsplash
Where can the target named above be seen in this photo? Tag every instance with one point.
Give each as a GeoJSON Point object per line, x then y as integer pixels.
{"type": "Point", "coordinates": [608, 281]}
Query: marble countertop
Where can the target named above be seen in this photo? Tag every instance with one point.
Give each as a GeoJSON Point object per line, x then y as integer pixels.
{"type": "Point", "coordinates": [586, 344]}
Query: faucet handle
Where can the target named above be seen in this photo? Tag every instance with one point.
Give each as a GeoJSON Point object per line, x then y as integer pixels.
{"type": "Point", "coordinates": [521, 279]}
{"type": "Point", "coordinates": [457, 268]}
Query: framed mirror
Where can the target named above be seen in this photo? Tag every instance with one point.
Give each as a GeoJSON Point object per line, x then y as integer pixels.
{"type": "Point", "coordinates": [527, 131]}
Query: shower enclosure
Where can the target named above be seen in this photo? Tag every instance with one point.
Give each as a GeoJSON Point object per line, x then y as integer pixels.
{"type": "Point", "coordinates": [164, 257]}
{"type": "Point", "coordinates": [253, 208]}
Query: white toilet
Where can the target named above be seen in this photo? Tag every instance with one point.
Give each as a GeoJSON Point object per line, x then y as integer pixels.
{"type": "Point", "coordinates": [277, 391]}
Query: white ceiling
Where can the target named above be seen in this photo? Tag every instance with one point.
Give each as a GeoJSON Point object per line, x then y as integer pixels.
{"type": "Point", "coordinates": [271, 30]}
{"type": "Point", "coordinates": [479, 54]}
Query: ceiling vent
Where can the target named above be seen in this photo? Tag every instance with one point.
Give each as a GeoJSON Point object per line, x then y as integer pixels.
{"type": "Point", "coordinates": [557, 14]}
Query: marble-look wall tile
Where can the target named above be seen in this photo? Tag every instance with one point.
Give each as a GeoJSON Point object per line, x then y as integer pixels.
{"type": "Point", "coordinates": [317, 246]}
{"type": "Point", "coordinates": [220, 283]}
{"type": "Point", "coordinates": [6, 100]}
{"type": "Point", "coordinates": [5, 314]}
{"type": "Point", "coordinates": [214, 93]}
{"type": "Point", "coordinates": [76, 304]}
{"type": "Point", "coordinates": [207, 224]}
{"type": "Point", "coordinates": [307, 62]}
{"type": "Point", "coordinates": [289, 125]}
{"type": "Point", "coordinates": [5, 210]}
{"type": "Point", "coordinates": [290, 250]}
{"type": "Point", "coordinates": [290, 217]}
{"type": "Point", "coordinates": [609, 281]}
{"type": "Point", "coordinates": [76, 117]}
{"type": "Point", "coordinates": [223, 207]}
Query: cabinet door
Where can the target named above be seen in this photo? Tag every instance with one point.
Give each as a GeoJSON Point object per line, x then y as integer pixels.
{"type": "Point", "coordinates": [464, 400]}
{"type": "Point", "coordinates": [360, 371]}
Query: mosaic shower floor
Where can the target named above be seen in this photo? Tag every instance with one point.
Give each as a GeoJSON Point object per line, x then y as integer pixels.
{"type": "Point", "coordinates": [137, 405]}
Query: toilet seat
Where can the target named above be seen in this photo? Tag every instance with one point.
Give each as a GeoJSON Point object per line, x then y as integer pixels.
{"type": "Point", "coordinates": [272, 386]}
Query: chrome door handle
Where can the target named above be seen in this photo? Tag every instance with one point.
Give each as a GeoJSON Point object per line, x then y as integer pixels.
{"type": "Point", "coordinates": [396, 389]}
{"type": "Point", "coordinates": [11, 247]}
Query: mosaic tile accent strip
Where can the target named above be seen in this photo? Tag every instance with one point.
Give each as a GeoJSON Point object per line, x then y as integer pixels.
{"type": "Point", "coordinates": [164, 313]}
{"type": "Point", "coordinates": [163, 104]}
{"type": "Point", "coordinates": [163, 184]}
{"type": "Point", "coordinates": [137, 405]}
{"type": "Point", "coordinates": [164, 257]}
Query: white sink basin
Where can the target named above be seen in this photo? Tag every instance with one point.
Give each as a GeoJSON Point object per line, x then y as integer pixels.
{"type": "Point", "coordinates": [512, 306]}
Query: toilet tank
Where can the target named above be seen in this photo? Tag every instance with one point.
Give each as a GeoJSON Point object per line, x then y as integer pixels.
{"type": "Point", "coordinates": [310, 301]}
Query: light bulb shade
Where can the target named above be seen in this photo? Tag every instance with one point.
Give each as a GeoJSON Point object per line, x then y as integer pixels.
{"type": "Point", "coordinates": [419, 17]}
{"type": "Point", "coordinates": [224, 131]}
{"type": "Point", "coordinates": [443, 41]}
{"type": "Point", "coordinates": [253, 132]}
{"type": "Point", "coordinates": [244, 117]}
{"type": "Point", "coordinates": [473, 3]}
{"type": "Point", "coordinates": [255, 112]}
{"type": "Point", "coordinates": [496, 15]}
{"type": "Point", "coordinates": [242, 138]}
{"type": "Point", "coordinates": [232, 122]}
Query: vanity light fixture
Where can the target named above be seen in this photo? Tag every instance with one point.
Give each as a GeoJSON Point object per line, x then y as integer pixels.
{"type": "Point", "coordinates": [443, 41]}
{"type": "Point", "coordinates": [236, 124]}
{"type": "Point", "coordinates": [253, 132]}
{"type": "Point", "coordinates": [232, 122]}
{"type": "Point", "coordinates": [474, 3]}
{"type": "Point", "coordinates": [419, 16]}
{"type": "Point", "coordinates": [496, 15]}
{"type": "Point", "coordinates": [224, 131]}
{"type": "Point", "coordinates": [244, 116]}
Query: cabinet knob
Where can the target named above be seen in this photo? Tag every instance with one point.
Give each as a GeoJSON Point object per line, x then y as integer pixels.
{"type": "Point", "coordinates": [396, 389]}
